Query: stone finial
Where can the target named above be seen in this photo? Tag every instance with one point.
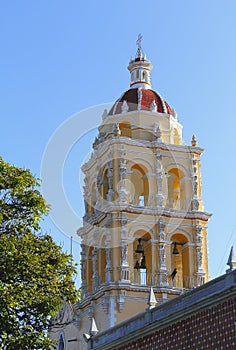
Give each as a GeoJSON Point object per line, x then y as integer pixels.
{"type": "Point", "coordinates": [105, 114]}
{"type": "Point", "coordinates": [93, 329]}
{"type": "Point", "coordinates": [194, 141]}
{"type": "Point", "coordinates": [174, 113]}
{"type": "Point", "coordinates": [153, 106]}
{"type": "Point", "coordinates": [124, 107]}
{"type": "Point", "coordinates": [232, 259]}
{"type": "Point", "coordinates": [152, 299]}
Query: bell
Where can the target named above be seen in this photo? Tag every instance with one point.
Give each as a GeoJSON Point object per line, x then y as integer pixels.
{"type": "Point", "coordinates": [143, 263]}
{"type": "Point", "coordinates": [139, 247]}
{"type": "Point", "coordinates": [136, 266]}
{"type": "Point", "coordinates": [175, 250]}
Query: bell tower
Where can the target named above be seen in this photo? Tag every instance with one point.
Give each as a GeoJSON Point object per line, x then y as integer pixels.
{"type": "Point", "coordinates": [144, 223]}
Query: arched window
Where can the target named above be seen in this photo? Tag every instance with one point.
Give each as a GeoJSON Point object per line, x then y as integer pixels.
{"type": "Point", "coordinates": [102, 261]}
{"type": "Point", "coordinates": [144, 76]}
{"type": "Point", "coordinates": [61, 344]}
{"type": "Point", "coordinates": [180, 262]}
{"type": "Point", "coordinates": [140, 187]}
{"type": "Point", "coordinates": [125, 129]}
{"type": "Point", "coordinates": [93, 199]}
{"type": "Point", "coordinates": [142, 258]}
{"type": "Point", "coordinates": [176, 189]}
{"type": "Point", "coordinates": [104, 185]}
{"type": "Point", "coordinates": [137, 74]}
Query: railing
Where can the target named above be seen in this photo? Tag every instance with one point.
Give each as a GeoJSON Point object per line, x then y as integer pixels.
{"type": "Point", "coordinates": [142, 277]}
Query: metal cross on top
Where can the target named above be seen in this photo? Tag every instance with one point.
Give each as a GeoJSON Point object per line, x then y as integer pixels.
{"type": "Point", "coordinates": [138, 43]}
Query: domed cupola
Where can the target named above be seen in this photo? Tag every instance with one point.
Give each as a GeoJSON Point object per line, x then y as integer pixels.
{"type": "Point", "coordinates": [139, 99]}
{"type": "Point", "coordinates": [140, 96]}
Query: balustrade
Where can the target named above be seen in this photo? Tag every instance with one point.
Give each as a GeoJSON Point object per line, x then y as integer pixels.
{"type": "Point", "coordinates": [142, 277]}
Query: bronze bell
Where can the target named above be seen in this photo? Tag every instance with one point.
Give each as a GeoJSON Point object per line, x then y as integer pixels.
{"type": "Point", "coordinates": [139, 247]}
{"type": "Point", "coordinates": [143, 263]}
{"type": "Point", "coordinates": [136, 266]}
{"type": "Point", "coordinates": [175, 250]}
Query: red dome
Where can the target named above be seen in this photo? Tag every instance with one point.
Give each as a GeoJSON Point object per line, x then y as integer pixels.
{"type": "Point", "coordinates": [140, 99]}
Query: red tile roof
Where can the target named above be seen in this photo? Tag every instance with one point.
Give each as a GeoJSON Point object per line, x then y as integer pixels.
{"type": "Point", "coordinates": [147, 96]}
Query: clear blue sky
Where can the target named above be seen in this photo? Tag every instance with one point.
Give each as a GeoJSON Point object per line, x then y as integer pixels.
{"type": "Point", "coordinates": [60, 57]}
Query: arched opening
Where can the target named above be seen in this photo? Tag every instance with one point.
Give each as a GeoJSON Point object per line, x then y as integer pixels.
{"type": "Point", "coordinates": [140, 186]}
{"type": "Point", "coordinates": [142, 258]}
{"type": "Point", "coordinates": [61, 343]}
{"type": "Point", "coordinates": [102, 262]}
{"type": "Point", "coordinates": [104, 185]}
{"type": "Point", "coordinates": [137, 74]}
{"type": "Point", "coordinates": [125, 129]}
{"type": "Point", "coordinates": [176, 189]}
{"type": "Point", "coordinates": [89, 269]}
{"type": "Point", "coordinates": [132, 76]}
{"type": "Point", "coordinates": [144, 76]}
{"type": "Point", "coordinates": [180, 262]}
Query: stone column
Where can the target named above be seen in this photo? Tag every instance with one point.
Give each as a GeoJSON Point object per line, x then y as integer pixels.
{"type": "Point", "coordinates": [110, 193]}
{"type": "Point", "coordinates": [108, 260]}
{"type": "Point", "coordinates": [200, 274]}
{"type": "Point", "coordinates": [99, 200]}
{"type": "Point", "coordinates": [124, 267]}
{"type": "Point", "coordinates": [123, 168]}
{"type": "Point", "coordinates": [87, 199]}
{"type": "Point", "coordinates": [159, 177]}
{"type": "Point", "coordinates": [195, 199]}
{"type": "Point", "coordinates": [95, 268]}
{"type": "Point", "coordinates": [162, 254]}
{"type": "Point", "coordinates": [86, 194]}
{"type": "Point", "coordinates": [84, 258]}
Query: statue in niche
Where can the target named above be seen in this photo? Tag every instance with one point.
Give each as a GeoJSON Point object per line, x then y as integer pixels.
{"type": "Point", "coordinates": [116, 129]}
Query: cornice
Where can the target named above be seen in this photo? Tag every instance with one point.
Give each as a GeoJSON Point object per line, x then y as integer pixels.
{"type": "Point", "coordinates": [128, 287]}
{"type": "Point", "coordinates": [106, 145]}
{"type": "Point", "coordinates": [154, 211]}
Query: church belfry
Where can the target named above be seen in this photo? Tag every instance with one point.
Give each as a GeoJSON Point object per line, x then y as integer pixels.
{"type": "Point", "coordinates": [144, 223]}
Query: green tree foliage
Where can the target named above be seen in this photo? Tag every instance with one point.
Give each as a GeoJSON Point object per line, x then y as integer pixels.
{"type": "Point", "coordinates": [35, 275]}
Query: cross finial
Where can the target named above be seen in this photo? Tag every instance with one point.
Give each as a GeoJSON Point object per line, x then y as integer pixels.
{"type": "Point", "coordinates": [138, 43]}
